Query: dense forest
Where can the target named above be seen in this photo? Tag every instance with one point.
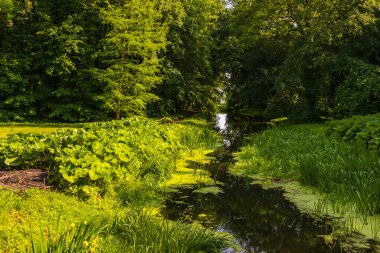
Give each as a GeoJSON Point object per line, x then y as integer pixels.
{"type": "Point", "coordinates": [75, 61]}
{"type": "Point", "coordinates": [305, 59]}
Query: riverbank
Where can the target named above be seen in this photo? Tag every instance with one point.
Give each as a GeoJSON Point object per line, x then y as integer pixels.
{"type": "Point", "coordinates": [320, 172]}
{"type": "Point", "coordinates": [103, 190]}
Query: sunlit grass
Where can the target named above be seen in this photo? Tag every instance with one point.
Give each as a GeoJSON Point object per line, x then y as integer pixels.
{"type": "Point", "coordinates": [25, 212]}
{"type": "Point", "coordinates": [139, 232]}
{"type": "Point", "coordinates": [5, 130]}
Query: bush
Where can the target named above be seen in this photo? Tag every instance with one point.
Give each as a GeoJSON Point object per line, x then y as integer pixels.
{"type": "Point", "coordinates": [363, 129]}
{"type": "Point", "coordinates": [359, 94]}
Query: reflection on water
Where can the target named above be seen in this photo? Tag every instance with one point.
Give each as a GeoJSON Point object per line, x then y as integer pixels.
{"type": "Point", "coordinates": [260, 220]}
{"type": "Point", "coordinates": [221, 122]}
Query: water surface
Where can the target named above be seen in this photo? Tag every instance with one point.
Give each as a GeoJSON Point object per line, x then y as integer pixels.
{"type": "Point", "coordinates": [260, 220]}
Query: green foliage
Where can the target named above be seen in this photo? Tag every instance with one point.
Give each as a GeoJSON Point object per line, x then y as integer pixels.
{"type": "Point", "coordinates": [362, 129]}
{"type": "Point", "coordinates": [197, 134]}
{"type": "Point", "coordinates": [80, 238]}
{"type": "Point", "coordinates": [79, 61]}
{"type": "Point", "coordinates": [138, 232]}
{"type": "Point", "coordinates": [190, 70]}
{"type": "Point", "coordinates": [346, 171]}
{"type": "Point", "coordinates": [24, 213]}
{"type": "Point", "coordinates": [41, 221]}
{"type": "Point", "coordinates": [94, 159]}
{"type": "Point", "coordinates": [130, 56]}
{"type": "Point", "coordinates": [7, 9]}
{"type": "Point", "coordinates": [304, 59]}
{"type": "Point", "coordinates": [359, 94]}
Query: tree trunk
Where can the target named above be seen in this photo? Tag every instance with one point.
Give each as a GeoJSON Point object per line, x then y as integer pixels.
{"type": "Point", "coordinates": [118, 115]}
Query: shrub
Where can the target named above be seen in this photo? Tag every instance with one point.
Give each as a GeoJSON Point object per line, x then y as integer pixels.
{"type": "Point", "coordinates": [359, 94]}
{"type": "Point", "coordinates": [363, 129]}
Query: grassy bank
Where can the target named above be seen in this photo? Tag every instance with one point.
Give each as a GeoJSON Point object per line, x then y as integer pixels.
{"type": "Point", "coordinates": [106, 178]}
{"type": "Point", "coordinates": [69, 225]}
{"type": "Point", "coordinates": [345, 172]}
{"type": "Point", "coordinates": [35, 128]}
{"type": "Point", "coordinates": [6, 130]}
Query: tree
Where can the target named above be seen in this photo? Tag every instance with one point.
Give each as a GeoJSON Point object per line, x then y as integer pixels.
{"type": "Point", "coordinates": [130, 55]}
{"type": "Point", "coordinates": [190, 79]}
{"type": "Point", "coordinates": [294, 55]}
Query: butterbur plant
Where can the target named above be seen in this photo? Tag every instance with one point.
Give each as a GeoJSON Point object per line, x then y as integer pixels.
{"type": "Point", "coordinates": [92, 160]}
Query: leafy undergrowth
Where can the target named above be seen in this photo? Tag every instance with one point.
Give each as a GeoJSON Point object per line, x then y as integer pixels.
{"type": "Point", "coordinates": [346, 173]}
{"type": "Point", "coordinates": [362, 129]}
{"type": "Point", "coordinates": [108, 170]}
{"type": "Point", "coordinates": [93, 160]}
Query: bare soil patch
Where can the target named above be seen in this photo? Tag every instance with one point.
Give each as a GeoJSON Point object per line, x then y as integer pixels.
{"type": "Point", "coordinates": [24, 179]}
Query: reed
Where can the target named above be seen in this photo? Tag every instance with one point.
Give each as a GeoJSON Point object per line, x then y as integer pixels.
{"type": "Point", "coordinates": [346, 170]}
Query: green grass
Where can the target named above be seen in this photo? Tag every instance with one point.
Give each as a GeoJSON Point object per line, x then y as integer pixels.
{"type": "Point", "coordinates": [347, 171]}
{"type": "Point", "coordinates": [139, 232]}
{"type": "Point", "coordinates": [38, 221]}
{"type": "Point", "coordinates": [24, 213]}
{"type": "Point", "coordinates": [6, 130]}
{"type": "Point", "coordinates": [74, 239]}
{"type": "Point", "coordinates": [34, 128]}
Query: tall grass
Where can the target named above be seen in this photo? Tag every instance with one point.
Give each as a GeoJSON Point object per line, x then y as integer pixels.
{"type": "Point", "coordinates": [138, 232]}
{"type": "Point", "coordinates": [195, 134]}
{"type": "Point", "coordinates": [73, 239]}
{"type": "Point", "coordinates": [8, 200]}
{"type": "Point", "coordinates": [347, 171]}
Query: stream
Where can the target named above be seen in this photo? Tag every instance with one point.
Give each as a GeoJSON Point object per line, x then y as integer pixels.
{"type": "Point", "coordinates": [260, 220]}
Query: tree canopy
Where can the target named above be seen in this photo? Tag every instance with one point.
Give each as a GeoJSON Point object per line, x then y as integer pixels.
{"type": "Point", "coordinates": [306, 59]}
{"type": "Point", "coordinates": [73, 60]}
